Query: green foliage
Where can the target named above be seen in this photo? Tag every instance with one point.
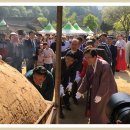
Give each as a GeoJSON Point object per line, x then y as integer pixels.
{"type": "Point", "coordinates": [91, 21]}
{"type": "Point", "coordinates": [105, 26]}
{"type": "Point", "coordinates": [119, 17]}
{"type": "Point", "coordinates": [117, 26]}
{"type": "Point", "coordinates": [42, 20]}
{"type": "Point", "coordinates": [72, 18]}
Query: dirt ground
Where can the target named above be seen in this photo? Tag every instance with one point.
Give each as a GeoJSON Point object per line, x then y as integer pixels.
{"type": "Point", "coordinates": [76, 115]}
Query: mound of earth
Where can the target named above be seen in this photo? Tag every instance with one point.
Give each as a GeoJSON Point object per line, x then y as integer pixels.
{"type": "Point", "coordinates": [20, 102]}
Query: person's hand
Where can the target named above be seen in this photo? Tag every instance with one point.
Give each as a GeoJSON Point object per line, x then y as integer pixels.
{"type": "Point", "coordinates": [79, 95]}
{"type": "Point", "coordinates": [0, 57]}
{"type": "Point", "coordinates": [62, 93]}
{"type": "Point", "coordinates": [77, 78]}
{"type": "Point", "coordinates": [97, 99]}
{"type": "Point", "coordinates": [69, 87]}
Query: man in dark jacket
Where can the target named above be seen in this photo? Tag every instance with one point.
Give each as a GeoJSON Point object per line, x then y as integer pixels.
{"type": "Point", "coordinates": [78, 54]}
{"type": "Point", "coordinates": [30, 51]}
{"type": "Point", "coordinates": [103, 45]}
{"type": "Point", "coordinates": [113, 50]}
{"type": "Point", "coordinates": [68, 74]}
{"type": "Point", "coordinates": [43, 80]}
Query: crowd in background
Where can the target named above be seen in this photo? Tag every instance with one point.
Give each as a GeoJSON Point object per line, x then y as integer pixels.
{"type": "Point", "coordinates": [35, 49]}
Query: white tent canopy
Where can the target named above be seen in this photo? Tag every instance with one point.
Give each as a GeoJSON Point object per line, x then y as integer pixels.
{"type": "Point", "coordinates": [69, 29]}
{"type": "Point", "coordinates": [79, 30]}
{"type": "Point", "coordinates": [48, 29]}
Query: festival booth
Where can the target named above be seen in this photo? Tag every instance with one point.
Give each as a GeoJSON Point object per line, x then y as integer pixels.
{"type": "Point", "coordinates": [68, 29]}
{"type": "Point", "coordinates": [3, 25]}
{"type": "Point", "coordinates": [89, 31]}
{"type": "Point", "coordinates": [48, 29]}
{"type": "Point", "coordinates": [79, 30]}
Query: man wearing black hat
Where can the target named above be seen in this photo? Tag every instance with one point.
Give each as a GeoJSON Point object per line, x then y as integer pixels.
{"type": "Point", "coordinates": [43, 80]}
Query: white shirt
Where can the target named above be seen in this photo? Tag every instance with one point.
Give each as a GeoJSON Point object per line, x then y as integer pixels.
{"type": "Point", "coordinates": [95, 66]}
{"type": "Point", "coordinates": [48, 55]}
{"type": "Point", "coordinates": [66, 46]}
{"type": "Point", "coordinates": [121, 44]}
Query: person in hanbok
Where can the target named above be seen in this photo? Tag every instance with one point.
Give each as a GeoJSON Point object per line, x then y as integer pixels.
{"type": "Point", "coordinates": [100, 84]}
{"type": "Point", "coordinates": [121, 62]}
{"type": "Point", "coordinates": [128, 52]}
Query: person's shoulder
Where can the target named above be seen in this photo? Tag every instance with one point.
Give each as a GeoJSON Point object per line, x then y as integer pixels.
{"type": "Point", "coordinates": [49, 73]}
{"type": "Point", "coordinates": [80, 51]}
{"type": "Point", "coordinates": [50, 49]}
{"type": "Point", "coordinates": [29, 74]}
{"type": "Point", "coordinates": [103, 62]}
{"type": "Point", "coordinates": [67, 50]}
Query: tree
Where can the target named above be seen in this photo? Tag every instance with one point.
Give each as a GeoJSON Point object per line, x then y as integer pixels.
{"type": "Point", "coordinates": [117, 26]}
{"type": "Point", "coordinates": [4, 12]}
{"type": "Point", "coordinates": [23, 11]}
{"type": "Point", "coordinates": [91, 21]}
{"type": "Point", "coordinates": [72, 18]}
{"type": "Point", "coordinates": [42, 21]}
{"type": "Point", "coordinates": [118, 15]}
{"type": "Point", "coordinates": [14, 12]}
{"type": "Point", "coordinates": [105, 26]}
{"type": "Point", "coordinates": [36, 11]}
{"type": "Point", "coordinates": [66, 11]}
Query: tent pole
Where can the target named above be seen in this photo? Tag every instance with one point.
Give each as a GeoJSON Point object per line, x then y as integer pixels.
{"type": "Point", "coordinates": [58, 62]}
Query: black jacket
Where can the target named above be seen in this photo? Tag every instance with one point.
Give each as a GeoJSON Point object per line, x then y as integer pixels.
{"type": "Point", "coordinates": [67, 73]}
{"type": "Point", "coordinates": [47, 88]}
{"type": "Point", "coordinates": [79, 57]}
{"type": "Point", "coordinates": [29, 49]}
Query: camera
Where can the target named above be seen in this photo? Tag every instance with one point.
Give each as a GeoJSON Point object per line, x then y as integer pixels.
{"type": "Point", "coordinates": [118, 108]}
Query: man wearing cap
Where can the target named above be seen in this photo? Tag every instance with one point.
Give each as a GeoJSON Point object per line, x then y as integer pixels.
{"type": "Point", "coordinates": [17, 53]}
{"type": "Point", "coordinates": [30, 51]}
{"type": "Point", "coordinates": [43, 80]}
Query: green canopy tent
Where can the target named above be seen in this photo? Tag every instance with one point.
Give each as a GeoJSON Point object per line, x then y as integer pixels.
{"type": "Point", "coordinates": [3, 25]}
{"type": "Point", "coordinates": [48, 29]}
{"type": "Point", "coordinates": [88, 31]}
{"type": "Point", "coordinates": [79, 30]}
{"type": "Point", "coordinates": [69, 29]}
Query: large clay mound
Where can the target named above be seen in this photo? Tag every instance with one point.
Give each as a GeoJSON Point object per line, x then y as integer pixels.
{"type": "Point", "coordinates": [20, 102]}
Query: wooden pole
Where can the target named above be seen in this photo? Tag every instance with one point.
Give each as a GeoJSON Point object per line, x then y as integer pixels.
{"type": "Point", "coordinates": [58, 62]}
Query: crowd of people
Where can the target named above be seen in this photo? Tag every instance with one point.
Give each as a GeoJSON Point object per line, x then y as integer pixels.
{"type": "Point", "coordinates": [88, 63]}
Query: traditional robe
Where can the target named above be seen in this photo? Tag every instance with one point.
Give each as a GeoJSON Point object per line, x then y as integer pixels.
{"type": "Point", "coordinates": [103, 85]}
{"type": "Point", "coordinates": [121, 61]}
{"type": "Point", "coordinates": [128, 53]}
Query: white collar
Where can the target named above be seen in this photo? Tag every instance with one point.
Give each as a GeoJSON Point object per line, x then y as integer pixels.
{"type": "Point", "coordinates": [95, 66]}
